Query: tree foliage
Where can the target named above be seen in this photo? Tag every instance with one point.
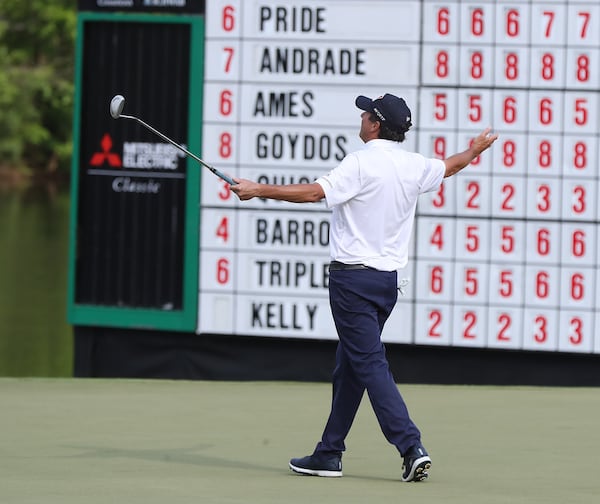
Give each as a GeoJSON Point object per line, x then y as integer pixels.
{"type": "Point", "coordinates": [37, 52]}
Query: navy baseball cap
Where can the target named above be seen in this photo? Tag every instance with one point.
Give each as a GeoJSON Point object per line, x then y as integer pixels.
{"type": "Point", "coordinates": [389, 109]}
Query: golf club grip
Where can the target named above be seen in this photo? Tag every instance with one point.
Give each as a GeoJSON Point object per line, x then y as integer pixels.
{"type": "Point", "coordinates": [221, 175]}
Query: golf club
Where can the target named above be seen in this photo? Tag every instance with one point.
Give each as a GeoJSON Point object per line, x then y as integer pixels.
{"type": "Point", "coordinates": [116, 108]}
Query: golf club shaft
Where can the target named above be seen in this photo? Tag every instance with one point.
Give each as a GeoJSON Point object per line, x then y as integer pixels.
{"type": "Point", "coordinates": [219, 174]}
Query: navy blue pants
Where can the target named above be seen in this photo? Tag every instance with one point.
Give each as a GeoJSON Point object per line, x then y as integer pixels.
{"type": "Point", "coordinates": [361, 301]}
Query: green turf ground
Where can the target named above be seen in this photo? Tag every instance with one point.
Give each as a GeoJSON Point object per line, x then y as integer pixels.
{"type": "Point", "coordinates": [121, 441]}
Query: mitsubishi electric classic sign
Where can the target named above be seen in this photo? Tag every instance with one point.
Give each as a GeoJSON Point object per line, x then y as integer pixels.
{"type": "Point", "coordinates": [132, 184]}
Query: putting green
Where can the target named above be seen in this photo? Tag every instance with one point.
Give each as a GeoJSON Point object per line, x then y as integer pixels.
{"type": "Point", "coordinates": [148, 441]}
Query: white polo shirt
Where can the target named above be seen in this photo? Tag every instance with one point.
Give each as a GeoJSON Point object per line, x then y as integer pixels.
{"type": "Point", "coordinates": [373, 193]}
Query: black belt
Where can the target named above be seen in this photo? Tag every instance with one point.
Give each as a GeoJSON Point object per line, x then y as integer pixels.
{"type": "Point", "coordinates": [336, 266]}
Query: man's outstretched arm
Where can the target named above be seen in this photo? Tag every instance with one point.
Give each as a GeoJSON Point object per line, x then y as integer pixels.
{"type": "Point", "coordinates": [295, 193]}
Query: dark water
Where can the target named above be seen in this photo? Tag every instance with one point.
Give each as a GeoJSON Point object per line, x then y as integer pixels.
{"type": "Point", "coordinates": [35, 338]}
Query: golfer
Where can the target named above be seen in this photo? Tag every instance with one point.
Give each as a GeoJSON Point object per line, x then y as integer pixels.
{"type": "Point", "coordinates": [373, 195]}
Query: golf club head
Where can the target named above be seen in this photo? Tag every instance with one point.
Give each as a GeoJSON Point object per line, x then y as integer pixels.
{"type": "Point", "coordinates": [116, 106]}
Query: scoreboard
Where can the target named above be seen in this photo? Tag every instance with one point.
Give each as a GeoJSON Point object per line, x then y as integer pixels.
{"type": "Point", "coordinates": [504, 255]}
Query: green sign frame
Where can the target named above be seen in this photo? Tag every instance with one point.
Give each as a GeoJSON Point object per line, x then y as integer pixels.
{"type": "Point", "coordinates": [184, 319]}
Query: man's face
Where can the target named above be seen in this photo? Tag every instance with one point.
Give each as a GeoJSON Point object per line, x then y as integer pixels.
{"type": "Point", "coordinates": [368, 128]}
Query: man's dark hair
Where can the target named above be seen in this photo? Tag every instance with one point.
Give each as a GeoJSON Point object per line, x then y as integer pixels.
{"type": "Point", "coordinates": [386, 133]}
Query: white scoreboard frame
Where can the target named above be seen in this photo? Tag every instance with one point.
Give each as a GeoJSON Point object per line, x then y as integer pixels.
{"type": "Point", "coordinates": [505, 254]}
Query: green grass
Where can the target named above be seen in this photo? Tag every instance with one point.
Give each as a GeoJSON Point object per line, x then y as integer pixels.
{"type": "Point", "coordinates": [96, 441]}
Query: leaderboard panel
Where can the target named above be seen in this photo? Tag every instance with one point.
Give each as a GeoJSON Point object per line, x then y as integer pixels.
{"type": "Point", "coordinates": [280, 84]}
{"type": "Point", "coordinates": [504, 255]}
{"type": "Point", "coordinates": [507, 251]}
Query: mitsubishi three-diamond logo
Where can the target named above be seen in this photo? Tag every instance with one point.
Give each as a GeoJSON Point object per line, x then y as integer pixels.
{"type": "Point", "coordinates": [99, 158]}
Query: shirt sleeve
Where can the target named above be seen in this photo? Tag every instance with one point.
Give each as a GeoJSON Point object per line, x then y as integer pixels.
{"type": "Point", "coordinates": [433, 175]}
{"type": "Point", "coordinates": [342, 183]}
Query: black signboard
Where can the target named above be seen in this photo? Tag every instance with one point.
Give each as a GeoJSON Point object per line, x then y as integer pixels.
{"type": "Point", "coordinates": [131, 201]}
{"type": "Point", "coordinates": [163, 6]}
